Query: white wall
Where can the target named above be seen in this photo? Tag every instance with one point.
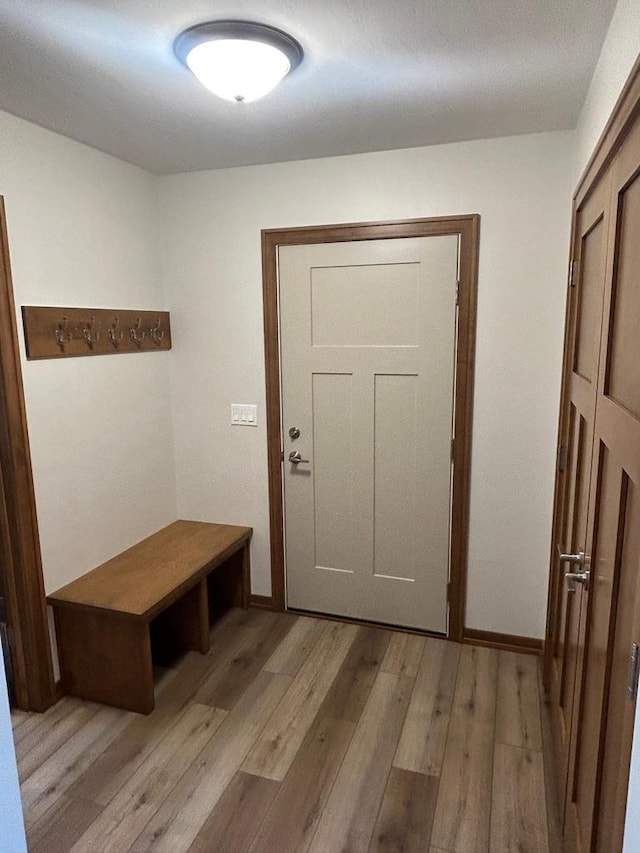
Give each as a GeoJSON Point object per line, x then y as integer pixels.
{"type": "Point", "coordinates": [619, 51]}
{"type": "Point", "coordinates": [83, 231]}
{"type": "Point", "coordinates": [521, 186]}
{"type": "Point", "coordinates": [12, 838]}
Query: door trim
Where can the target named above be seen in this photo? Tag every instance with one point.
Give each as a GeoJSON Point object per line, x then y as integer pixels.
{"type": "Point", "coordinates": [616, 129]}
{"type": "Point", "coordinates": [504, 642]}
{"type": "Point", "coordinates": [467, 227]}
{"type": "Point", "coordinates": [19, 541]}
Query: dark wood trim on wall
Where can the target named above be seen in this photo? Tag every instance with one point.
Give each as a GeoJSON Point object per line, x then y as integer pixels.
{"type": "Point", "coordinates": [469, 231]}
{"type": "Point", "coordinates": [20, 544]}
{"type": "Point", "coordinates": [561, 483]}
{"type": "Point", "coordinates": [261, 602]}
{"type": "Point", "coordinates": [468, 228]}
{"type": "Point", "coordinates": [624, 114]}
{"type": "Point", "coordinates": [505, 642]}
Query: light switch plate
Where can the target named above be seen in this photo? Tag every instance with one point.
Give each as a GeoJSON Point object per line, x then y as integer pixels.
{"type": "Point", "coordinates": [244, 414]}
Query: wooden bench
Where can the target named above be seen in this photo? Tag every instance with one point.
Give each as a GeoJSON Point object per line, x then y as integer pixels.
{"type": "Point", "coordinates": [160, 590]}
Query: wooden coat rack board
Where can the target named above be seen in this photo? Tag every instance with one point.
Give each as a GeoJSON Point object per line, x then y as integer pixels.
{"type": "Point", "coordinates": [71, 332]}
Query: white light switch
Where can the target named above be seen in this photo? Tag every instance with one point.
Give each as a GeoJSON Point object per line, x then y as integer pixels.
{"type": "Point", "coordinates": [243, 414]}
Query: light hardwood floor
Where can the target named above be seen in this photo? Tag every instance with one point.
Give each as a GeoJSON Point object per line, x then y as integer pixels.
{"type": "Point", "coordinates": [297, 734]}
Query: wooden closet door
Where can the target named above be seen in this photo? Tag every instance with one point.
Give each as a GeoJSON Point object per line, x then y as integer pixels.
{"type": "Point", "coordinates": [593, 689]}
{"type": "Point", "coordinates": [617, 569]}
{"type": "Point", "coordinates": [573, 528]}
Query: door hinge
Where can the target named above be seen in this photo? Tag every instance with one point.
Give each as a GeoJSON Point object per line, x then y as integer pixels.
{"type": "Point", "coordinates": [573, 273]}
{"type": "Point", "coordinates": [282, 455]}
{"type": "Point", "coordinates": [562, 458]}
{"type": "Point", "coordinates": [632, 676]}
{"type": "Point", "coordinates": [457, 292]}
{"type": "Point", "coordinates": [453, 444]}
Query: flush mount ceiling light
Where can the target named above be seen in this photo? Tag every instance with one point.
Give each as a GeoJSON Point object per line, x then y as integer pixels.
{"type": "Point", "coordinates": [238, 60]}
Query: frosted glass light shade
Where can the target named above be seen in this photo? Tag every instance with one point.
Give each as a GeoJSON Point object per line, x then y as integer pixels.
{"type": "Point", "coordinates": [238, 69]}
{"type": "Point", "coordinates": [238, 60]}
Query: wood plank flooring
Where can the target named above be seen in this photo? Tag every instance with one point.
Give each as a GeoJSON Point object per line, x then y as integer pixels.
{"type": "Point", "coordinates": [299, 735]}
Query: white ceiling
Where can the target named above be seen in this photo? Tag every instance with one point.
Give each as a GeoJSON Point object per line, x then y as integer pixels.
{"type": "Point", "coordinates": [377, 74]}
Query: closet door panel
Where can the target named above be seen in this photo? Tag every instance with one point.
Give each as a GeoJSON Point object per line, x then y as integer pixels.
{"type": "Point", "coordinates": [617, 428]}
{"type": "Point", "coordinates": [623, 362]}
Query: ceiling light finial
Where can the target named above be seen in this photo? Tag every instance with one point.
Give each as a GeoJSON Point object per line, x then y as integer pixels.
{"type": "Point", "coordinates": [238, 60]}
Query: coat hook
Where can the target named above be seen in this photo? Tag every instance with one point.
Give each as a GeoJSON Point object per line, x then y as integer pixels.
{"type": "Point", "coordinates": [90, 333]}
{"type": "Point", "coordinates": [137, 333]}
{"type": "Point", "coordinates": [156, 333]}
{"type": "Point", "coordinates": [63, 336]}
{"type": "Point", "coordinates": [115, 334]}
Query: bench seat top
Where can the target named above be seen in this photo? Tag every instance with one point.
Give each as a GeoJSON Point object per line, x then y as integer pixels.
{"type": "Point", "coordinates": [146, 578]}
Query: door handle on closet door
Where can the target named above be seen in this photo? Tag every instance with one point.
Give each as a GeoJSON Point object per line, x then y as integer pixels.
{"type": "Point", "coordinates": [578, 577]}
{"type": "Point", "coordinates": [578, 559]}
{"type": "Point", "coordinates": [582, 576]}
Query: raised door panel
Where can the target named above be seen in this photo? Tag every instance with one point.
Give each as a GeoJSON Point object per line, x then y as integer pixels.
{"type": "Point", "coordinates": [335, 483]}
{"type": "Point", "coordinates": [622, 382]}
{"type": "Point", "coordinates": [397, 492]}
{"type": "Point", "coordinates": [589, 313]}
{"type": "Point", "coordinates": [610, 500]}
{"type": "Point", "coordinates": [572, 542]}
{"type": "Point", "coordinates": [614, 745]}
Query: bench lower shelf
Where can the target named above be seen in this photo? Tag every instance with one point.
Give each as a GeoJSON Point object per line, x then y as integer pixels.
{"type": "Point", "coordinates": [109, 660]}
{"type": "Point", "coordinates": [107, 656]}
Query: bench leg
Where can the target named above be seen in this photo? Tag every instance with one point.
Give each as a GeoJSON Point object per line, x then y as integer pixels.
{"type": "Point", "coordinates": [231, 581]}
{"type": "Point", "coordinates": [186, 622]}
{"type": "Point", "coordinates": [246, 575]}
{"type": "Point", "coordinates": [105, 660]}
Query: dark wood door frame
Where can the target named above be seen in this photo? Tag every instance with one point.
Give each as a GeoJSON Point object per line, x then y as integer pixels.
{"type": "Point", "coordinates": [19, 541]}
{"type": "Point", "coordinates": [468, 229]}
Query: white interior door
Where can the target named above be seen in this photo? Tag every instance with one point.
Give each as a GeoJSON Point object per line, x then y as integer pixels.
{"type": "Point", "coordinates": [368, 364]}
